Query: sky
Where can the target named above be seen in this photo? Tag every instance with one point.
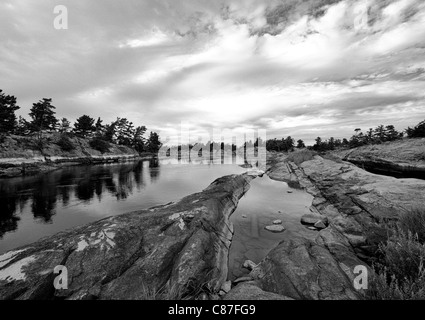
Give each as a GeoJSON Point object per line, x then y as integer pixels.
{"type": "Point", "coordinates": [304, 68]}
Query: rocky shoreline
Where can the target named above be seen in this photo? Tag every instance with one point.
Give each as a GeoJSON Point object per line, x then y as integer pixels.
{"type": "Point", "coordinates": [181, 245]}
{"type": "Point", "coordinates": [400, 158]}
{"type": "Point", "coordinates": [19, 157]}
{"type": "Point", "coordinates": [184, 246]}
{"type": "Point", "coordinates": [356, 204]}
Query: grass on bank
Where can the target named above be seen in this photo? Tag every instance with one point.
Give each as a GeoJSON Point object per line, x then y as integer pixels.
{"type": "Point", "coordinates": [400, 274]}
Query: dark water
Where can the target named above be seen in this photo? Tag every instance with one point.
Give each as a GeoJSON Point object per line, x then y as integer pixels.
{"type": "Point", "coordinates": [38, 206]}
{"type": "Point", "coordinates": [391, 172]}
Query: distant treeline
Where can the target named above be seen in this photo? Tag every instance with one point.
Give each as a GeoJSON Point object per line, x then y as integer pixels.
{"type": "Point", "coordinates": [43, 119]}
{"type": "Point", "coordinates": [377, 135]}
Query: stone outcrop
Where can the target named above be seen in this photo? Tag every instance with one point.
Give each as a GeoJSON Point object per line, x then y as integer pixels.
{"type": "Point", "coordinates": [182, 246]}
{"type": "Point", "coordinates": [354, 204]}
{"type": "Point", "coordinates": [20, 156]}
{"type": "Point", "coordinates": [402, 158]}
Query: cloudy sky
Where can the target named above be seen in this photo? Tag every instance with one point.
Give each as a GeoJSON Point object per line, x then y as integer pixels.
{"type": "Point", "coordinates": [293, 67]}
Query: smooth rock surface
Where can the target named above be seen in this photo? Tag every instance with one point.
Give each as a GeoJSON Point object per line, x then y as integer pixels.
{"type": "Point", "coordinates": [275, 228]}
{"type": "Point", "coordinates": [120, 257]}
{"type": "Point", "coordinates": [250, 291]}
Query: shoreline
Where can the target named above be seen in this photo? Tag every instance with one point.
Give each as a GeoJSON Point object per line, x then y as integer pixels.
{"type": "Point", "coordinates": [21, 167]}
{"type": "Point", "coordinates": [193, 235]}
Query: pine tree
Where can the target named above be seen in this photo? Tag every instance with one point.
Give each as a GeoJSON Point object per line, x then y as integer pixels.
{"type": "Point", "coordinates": [43, 116]}
{"type": "Point", "coordinates": [84, 126]}
{"type": "Point", "coordinates": [8, 107]}
{"type": "Point", "coordinates": [64, 125]}
{"type": "Point", "coordinates": [300, 144]}
{"type": "Point", "coordinates": [154, 144]}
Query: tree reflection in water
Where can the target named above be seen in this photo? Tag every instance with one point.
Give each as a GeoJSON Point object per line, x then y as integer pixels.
{"type": "Point", "coordinates": [85, 183]}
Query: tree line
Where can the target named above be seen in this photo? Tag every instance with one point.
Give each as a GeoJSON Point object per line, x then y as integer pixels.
{"type": "Point", "coordinates": [43, 119]}
{"type": "Point", "coordinates": [377, 135]}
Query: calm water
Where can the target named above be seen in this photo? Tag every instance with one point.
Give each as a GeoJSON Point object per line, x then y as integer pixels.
{"type": "Point", "coordinates": [38, 206]}
{"type": "Point", "coordinates": [267, 200]}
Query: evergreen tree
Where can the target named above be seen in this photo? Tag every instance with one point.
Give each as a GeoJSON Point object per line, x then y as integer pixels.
{"type": "Point", "coordinates": [84, 126]}
{"type": "Point", "coordinates": [100, 128]}
{"type": "Point", "coordinates": [8, 107]}
{"type": "Point", "coordinates": [300, 144]}
{"type": "Point", "coordinates": [154, 144]}
{"type": "Point", "coordinates": [138, 142]}
{"type": "Point", "coordinates": [43, 116]}
{"type": "Point", "coordinates": [64, 125]}
{"type": "Point", "coordinates": [23, 127]}
{"type": "Point", "coordinates": [417, 132]}
{"type": "Point", "coordinates": [391, 133]}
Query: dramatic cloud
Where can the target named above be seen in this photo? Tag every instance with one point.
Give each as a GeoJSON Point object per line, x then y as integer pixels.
{"type": "Point", "coordinates": [300, 68]}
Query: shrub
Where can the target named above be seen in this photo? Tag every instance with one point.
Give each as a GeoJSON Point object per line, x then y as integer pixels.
{"type": "Point", "coordinates": [387, 287]}
{"type": "Point", "coordinates": [403, 255]}
{"type": "Point", "coordinates": [301, 156]}
{"type": "Point", "coordinates": [414, 221]}
{"type": "Point", "coordinates": [65, 143]}
{"type": "Point", "coordinates": [99, 145]}
{"type": "Point", "coordinates": [401, 272]}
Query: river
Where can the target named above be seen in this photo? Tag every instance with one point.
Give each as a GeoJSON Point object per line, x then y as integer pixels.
{"type": "Point", "coordinates": [38, 206]}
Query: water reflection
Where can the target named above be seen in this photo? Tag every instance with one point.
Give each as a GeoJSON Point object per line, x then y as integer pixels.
{"type": "Point", "coordinates": [39, 206]}
{"type": "Point", "coordinates": [84, 183]}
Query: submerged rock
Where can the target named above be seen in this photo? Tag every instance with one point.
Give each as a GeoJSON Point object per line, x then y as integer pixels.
{"type": "Point", "coordinates": [277, 222]}
{"type": "Point", "coordinates": [275, 228]}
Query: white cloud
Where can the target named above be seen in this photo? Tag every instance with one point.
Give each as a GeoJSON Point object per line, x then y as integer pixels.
{"type": "Point", "coordinates": [215, 62]}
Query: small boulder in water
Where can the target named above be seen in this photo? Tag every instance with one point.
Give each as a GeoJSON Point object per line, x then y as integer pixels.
{"type": "Point", "coordinates": [319, 225]}
{"type": "Point", "coordinates": [277, 222]}
{"type": "Point", "coordinates": [275, 228]}
{"type": "Point", "coordinates": [248, 264]}
{"type": "Point", "coordinates": [311, 219]}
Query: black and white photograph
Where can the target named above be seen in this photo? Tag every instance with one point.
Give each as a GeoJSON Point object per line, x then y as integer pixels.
{"type": "Point", "coordinates": [222, 157]}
